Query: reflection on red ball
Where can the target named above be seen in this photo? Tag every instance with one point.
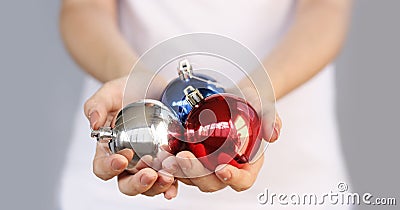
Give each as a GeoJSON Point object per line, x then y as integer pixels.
{"type": "Point", "coordinates": [221, 129]}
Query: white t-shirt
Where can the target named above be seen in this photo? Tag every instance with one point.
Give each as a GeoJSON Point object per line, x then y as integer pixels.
{"type": "Point", "coordinates": [306, 159]}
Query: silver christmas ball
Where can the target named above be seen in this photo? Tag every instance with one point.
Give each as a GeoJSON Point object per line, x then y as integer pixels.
{"type": "Point", "coordinates": [146, 126]}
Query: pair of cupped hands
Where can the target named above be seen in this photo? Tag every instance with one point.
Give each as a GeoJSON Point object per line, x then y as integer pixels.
{"type": "Point", "coordinates": [101, 109]}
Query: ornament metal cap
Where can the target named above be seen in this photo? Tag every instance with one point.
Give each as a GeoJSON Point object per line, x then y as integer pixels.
{"type": "Point", "coordinates": [193, 95]}
{"type": "Point", "coordinates": [104, 133]}
{"type": "Point", "coordinates": [185, 70]}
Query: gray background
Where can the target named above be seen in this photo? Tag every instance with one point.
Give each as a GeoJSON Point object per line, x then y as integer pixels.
{"type": "Point", "coordinates": [40, 86]}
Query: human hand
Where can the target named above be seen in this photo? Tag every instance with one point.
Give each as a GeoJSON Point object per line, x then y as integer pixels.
{"type": "Point", "coordinates": [191, 171]}
{"type": "Point", "coordinates": [101, 109]}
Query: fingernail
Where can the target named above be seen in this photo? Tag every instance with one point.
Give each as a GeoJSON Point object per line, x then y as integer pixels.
{"type": "Point", "coordinates": [186, 165]}
{"type": "Point", "coordinates": [169, 196]}
{"type": "Point", "coordinates": [116, 165]}
{"type": "Point", "coordinates": [225, 174]}
{"type": "Point", "coordinates": [93, 118]}
{"type": "Point", "coordinates": [276, 132]}
{"type": "Point", "coordinates": [145, 180]}
{"type": "Point", "coordinates": [170, 167]}
{"type": "Point", "coordinates": [164, 180]}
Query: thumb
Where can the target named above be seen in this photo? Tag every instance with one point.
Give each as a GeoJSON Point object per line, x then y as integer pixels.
{"type": "Point", "coordinates": [107, 165]}
{"type": "Point", "coordinates": [107, 100]}
{"type": "Point", "coordinates": [271, 132]}
{"type": "Point", "coordinates": [276, 129]}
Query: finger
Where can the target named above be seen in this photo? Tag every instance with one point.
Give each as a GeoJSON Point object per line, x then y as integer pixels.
{"type": "Point", "coordinates": [271, 133]}
{"type": "Point", "coordinates": [106, 100]}
{"type": "Point", "coordinates": [163, 182]}
{"type": "Point", "coordinates": [171, 166]}
{"type": "Point", "coordinates": [127, 153]}
{"type": "Point", "coordinates": [200, 176]}
{"type": "Point", "coordinates": [106, 165]}
{"type": "Point", "coordinates": [186, 181]}
{"type": "Point", "coordinates": [161, 156]}
{"type": "Point", "coordinates": [239, 179]}
{"type": "Point", "coordinates": [171, 192]}
{"type": "Point", "coordinates": [144, 162]}
{"type": "Point", "coordinates": [190, 165]}
{"type": "Point", "coordinates": [138, 183]}
{"type": "Point", "coordinates": [276, 129]}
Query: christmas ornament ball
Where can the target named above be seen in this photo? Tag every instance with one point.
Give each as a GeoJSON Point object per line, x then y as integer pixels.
{"type": "Point", "coordinates": [221, 129]}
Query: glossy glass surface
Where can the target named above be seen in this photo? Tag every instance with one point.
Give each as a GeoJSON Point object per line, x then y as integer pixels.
{"type": "Point", "coordinates": [174, 97]}
{"type": "Point", "coordinates": [146, 127]}
{"type": "Point", "coordinates": [223, 128]}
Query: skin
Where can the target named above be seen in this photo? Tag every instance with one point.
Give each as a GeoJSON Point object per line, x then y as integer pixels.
{"type": "Point", "coordinates": [312, 41]}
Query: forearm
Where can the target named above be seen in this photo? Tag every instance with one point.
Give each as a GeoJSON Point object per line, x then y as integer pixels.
{"type": "Point", "coordinates": [313, 40]}
{"type": "Point", "coordinates": [90, 32]}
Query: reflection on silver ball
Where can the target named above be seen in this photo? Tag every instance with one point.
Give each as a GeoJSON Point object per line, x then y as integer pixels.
{"type": "Point", "coordinates": [146, 127]}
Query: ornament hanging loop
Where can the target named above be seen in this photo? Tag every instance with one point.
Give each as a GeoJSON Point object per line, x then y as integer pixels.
{"type": "Point", "coordinates": [193, 95]}
{"type": "Point", "coordinates": [185, 70]}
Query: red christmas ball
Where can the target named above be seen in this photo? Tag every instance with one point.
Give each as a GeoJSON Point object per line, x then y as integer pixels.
{"type": "Point", "coordinates": [221, 129]}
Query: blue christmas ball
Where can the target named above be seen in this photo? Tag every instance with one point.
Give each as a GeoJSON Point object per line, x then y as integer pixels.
{"type": "Point", "coordinates": [174, 97]}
